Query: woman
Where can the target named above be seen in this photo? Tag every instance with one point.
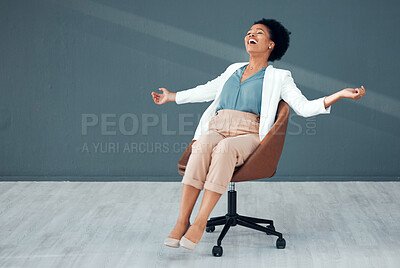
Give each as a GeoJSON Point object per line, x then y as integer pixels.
{"type": "Point", "coordinates": [231, 128]}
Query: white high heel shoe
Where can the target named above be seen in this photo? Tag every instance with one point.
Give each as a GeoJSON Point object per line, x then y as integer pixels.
{"type": "Point", "coordinates": [186, 243]}
{"type": "Point", "coordinates": [174, 243]}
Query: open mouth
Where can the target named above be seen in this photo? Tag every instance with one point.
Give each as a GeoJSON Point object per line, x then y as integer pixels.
{"type": "Point", "coordinates": [252, 41]}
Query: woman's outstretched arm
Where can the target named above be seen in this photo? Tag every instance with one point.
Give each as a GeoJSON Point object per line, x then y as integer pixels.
{"type": "Point", "coordinates": [351, 93]}
{"type": "Point", "coordinates": [201, 93]}
{"type": "Point", "coordinates": [291, 94]}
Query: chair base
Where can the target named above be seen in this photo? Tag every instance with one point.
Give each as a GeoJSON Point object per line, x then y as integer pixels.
{"type": "Point", "coordinates": [233, 219]}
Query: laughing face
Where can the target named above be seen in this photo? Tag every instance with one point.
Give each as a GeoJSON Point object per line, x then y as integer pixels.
{"type": "Point", "coordinates": [257, 39]}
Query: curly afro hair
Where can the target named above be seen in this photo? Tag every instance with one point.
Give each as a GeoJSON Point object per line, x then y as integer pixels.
{"type": "Point", "coordinates": [279, 35]}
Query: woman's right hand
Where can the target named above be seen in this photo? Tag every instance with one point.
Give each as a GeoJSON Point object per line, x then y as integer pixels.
{"type": "Point", "coordinates": [163, 98]}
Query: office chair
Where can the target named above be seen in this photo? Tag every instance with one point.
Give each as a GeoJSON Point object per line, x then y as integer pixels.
{"type": "Point", "coordinates": [261, 163]}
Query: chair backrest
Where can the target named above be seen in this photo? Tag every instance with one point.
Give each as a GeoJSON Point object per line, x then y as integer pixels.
{"type": "Point", "coordinates": [263, 161]}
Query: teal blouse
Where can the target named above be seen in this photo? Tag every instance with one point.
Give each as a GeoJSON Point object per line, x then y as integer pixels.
{"type": "Point", "coordinates": [245, 96]}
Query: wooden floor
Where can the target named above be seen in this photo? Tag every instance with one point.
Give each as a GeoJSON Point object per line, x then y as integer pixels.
{"type": "Point", "coordinates": [124, 224]}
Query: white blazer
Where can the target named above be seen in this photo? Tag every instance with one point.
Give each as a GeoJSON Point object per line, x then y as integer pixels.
{"type": "Point", "coordinates": [277, 84]}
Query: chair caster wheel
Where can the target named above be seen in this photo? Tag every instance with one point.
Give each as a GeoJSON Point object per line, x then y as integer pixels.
{"type": "Point", "coordinates": [217, 251]}
{"type": "Point", "coordinates": [210, 229]}
{"type": "Point", "coordinates": [280, 243]}
{"type": "Point", "coordinates": [270, 227]}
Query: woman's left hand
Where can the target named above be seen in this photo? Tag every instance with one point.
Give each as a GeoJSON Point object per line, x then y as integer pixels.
{"type": "Point", "coordinates": [353, 93]}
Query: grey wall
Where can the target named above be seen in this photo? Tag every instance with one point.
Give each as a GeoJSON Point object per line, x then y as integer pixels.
{"type": "Point", "coordinates": [64, 60]}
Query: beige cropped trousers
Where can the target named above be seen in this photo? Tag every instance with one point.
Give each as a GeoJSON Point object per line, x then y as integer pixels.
{"type": "Point", "coordinates": [231, 138]}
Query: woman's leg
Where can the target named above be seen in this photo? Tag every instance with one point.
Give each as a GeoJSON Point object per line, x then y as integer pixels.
{"type": "Point", "coordinates": [194, 178]}
{"type": "Point", "coordinates": [188, 200]}
{"type": "Point", "coordinates": [196, 231]}
{"type": "Point", "coordinates": [200, 158]}
{"type": "Point", "coordinates": [227, 154]}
